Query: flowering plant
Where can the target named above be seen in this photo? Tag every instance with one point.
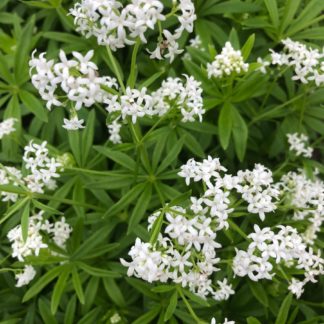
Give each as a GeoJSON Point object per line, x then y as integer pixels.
{"type": "Point", "coordinates": [161, 161]}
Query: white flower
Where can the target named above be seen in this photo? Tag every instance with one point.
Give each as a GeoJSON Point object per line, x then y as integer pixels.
{"type": "Point", "coordinates": [73, 124]}
{"type": "Point", "coordinates": [299, 145]}
{"type": "Point", "coordinates": [114, 130]}
{"type": "Point", "coordinates": [7, 127]}
{"type": "Point", "coordinates": [25, 277]}
{"type": "Point", "coordinates": [296, 287]}
{"type": "Point", "coordinates": [229, 61]}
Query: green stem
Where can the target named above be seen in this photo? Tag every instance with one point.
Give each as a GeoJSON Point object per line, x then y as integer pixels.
{"type": "Point", "coordinates": [115, 68]}
{"type": "Point", "coordinates": [133, 72]}
{"type": "Point", "coordinates": [191, 311]}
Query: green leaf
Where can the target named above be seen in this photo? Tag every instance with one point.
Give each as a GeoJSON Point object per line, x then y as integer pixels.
{"type": "Point", "coordinates": [247, 47]}
{"type": "Point", "coordinates": [25, 221]}
{"type": "Point", "coordinates": [172, 155]}
{"type": "Point", "coordinates": [291, 7]}
{"type": "Point", "coordinates": [14, 208]}
{"type": "Point", "coordinates": [171, 307]}
{"type": "Point", "coordinates": [46, 208]}
{"type": "Point", "coordinates": [22, 51]}
{"type": "Point", "coordinates": [230, 6]}
{"type": "Point", "coordinates": [195, 298]}
{"type": "Point", "coordinates": [70, 311]}
{"type": "Point", "coordinates": [87, 136]}
{"type": "Point", "coordinates": [114, 292]}
{"type": "Point", "coordinates": [192, 144]}
{"type": "Point", "coordinates": [77, 285]}
{"type": "Point", "coordinates": [284, 310]}
{"type": "Point", "coordinates": [97, 272]}
{"type": "Point", "coordinates": [143, 287]}
{"type": "Point", "coordinates": [38, 4]}
{"type": "Point", "coordinates": [273, 11]}
{"type": "Point", "coordinates": [163, 288]}
{"type": "Point", "coordinates": [128, 198]}
{"type": "Point", "coordinates": [118, 157]}
{"type": "Point", "coordinates": [240, 134]}
{"type": "Point", "coordinates": [45, 311]}
{"type": "Point", "coordinates": [259, 292]}
{"type": "Point", "coordinates": [225, 124]}
{"type": "Point", "coordinates": [140, 208]}
{"type": "Point", "coordinates": [5, 73]}
{"type": "Point", "coordinates": [33, 105]}
{"type": "Point", "coordinates": [156, 228]}
{"type": "Point", "coordinates": [59, 289]}
{"type": "Point", "coordinates": [149, 316]}
{"type": "Point", "coordinates": [42, 282]}
{"type": "Point", "coordinates": [252, 320]}
{"type": "Point", "coordinates": [74, 137]}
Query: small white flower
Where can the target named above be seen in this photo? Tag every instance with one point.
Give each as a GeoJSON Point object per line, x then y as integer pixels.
{"type": "Point", "coordinates": [73, 124]}
{"type": "Point", "coordinates": [7, 127]}
{"type": "Point", "coordinates": [25, 277]}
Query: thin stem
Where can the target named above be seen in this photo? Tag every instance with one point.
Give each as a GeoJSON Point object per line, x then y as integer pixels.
{"type": "Point", "coordinates": [191, 311]}
{"type": "Point", "coordinates": [132, 76]}
{"type": "Point", "coordinates": [115, 68]}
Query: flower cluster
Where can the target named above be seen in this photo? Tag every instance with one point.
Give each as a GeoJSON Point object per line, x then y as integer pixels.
{"type": "Point", "coordinates": [286, 247]}
{"type": "Point", "coordinates": [229, 61]}
{"type": "Point", "coordinates": [37, 227]}
{"type": "Point", "coordinates": [256, 188]}
{"type": "Point", "coordinates": [116, 25]}
{"type": "Point", "coordinates": [173, 93]}
{"type": "Point", "coordinates": [41, 171]}
{"type": "Point", "coordinates": [75, 80]}
{"type": "Point", "coordinates": [43, 168]}
{"type": "Point", "coordinates": [226, 321]}
{"type": "Point", "coordinates": [306, 197]}
{"type": "Point", "coordinates": [185, 253]}
{"type": "Point", "coordinates": [7, 127]}
{"type": "Point", "coordinates": [307, 62]}
{"type": "Point", "coordinates": [299, 145]}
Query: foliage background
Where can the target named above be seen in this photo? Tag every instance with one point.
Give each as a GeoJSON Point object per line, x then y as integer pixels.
{"type": "Point", "coordinates": [108, 191]}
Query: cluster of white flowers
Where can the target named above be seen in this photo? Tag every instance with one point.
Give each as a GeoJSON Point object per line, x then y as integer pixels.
{"type": "Point", "coordinates": [306, 198]}
{"type": "Point", "coordinates": [307, 62]}
{"type": "Point", "coordinates": [75, 80]}
{"type": "Point", "coordinates": [185, 253]}
{"type": "Point", "coordinates": [299, 145]}
{"type": "Point", "coordinates": [116, 25]}
{"type": "Point", "coordinates": [42, 171]}
{"type": "Point", "coordinates": [43, 168]}
{"type": "Point", "coordinates": [7, 127]}
{"type": "Point", "coordinates": [173, 93]}
{"type": "Point", "coordinates": [187, 97]}
{"type": "Point", "coordinates": [25, 277]}
{"type": "Point", "coordinates": [286, 247]}
{"type": "Point", "coordinates": [59, 231]}
{"type": "Point", "coordinates": [114, 130]}
{"type": "Point", "coordinates": [256, 188]}
{"type": "Point", "coordinates": [229, 61]}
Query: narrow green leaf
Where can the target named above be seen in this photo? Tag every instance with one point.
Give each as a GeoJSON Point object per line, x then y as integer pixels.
{"type": "Point", "coordinates": [97, 272]}
{"type": "Point", "coordinates": [149, 316]}
{"type": "Point", "coordinates": [42, 282]}
{"type": "Point", "coordinates": [114, 292]}
{"type": "Point", "coordinates": [75, 145]}
{"type": "Point", "coordinates": [172, 155]}
{"type": "Point", "coordinates": [77, 285]}
{"type": "Point", "coordinates": [25, 221]}
{"type": "Point", "coordinates": [14, 208]}
{"type": "Point", "coordinates": [70, 311]}
{"type": "Point", "coordinates": [273, 11]}
{"type": "Point", "coordinates": [291, 7]}
{"type": "Point", "coordinates": [171, 307]}
{"type": "Point", "coordinates": [252, 320]}
{"type": "Point", "coordinates": [59, 289]}
{"type": "Point", "coordinates": [22, 51]}
{"type": "Point", "coordinates": [46, 208]}
{"type": "Point", "coordinates": [247, 47]}
{"type": "Point", "coordinates": [240, 134]}
{"type": "Point", "coordinates": [225, 124]}
{"type": "Point", "coordinates": [195, 298]}
{"type": "Point", "coordinates": [33, 105]}
{"type": "Point", "coordinates": [87, 136]}
{"type": "Point", "coordinates": [140, 208]}
{"type": "Point", "coordinates": [163, 288]}
{"type": "Point", "coordinates": [128, 198]}
{"type": "Point", "coordinates": [284, 310]}
{"type": "Point", "coordinates": [259, 292]}
{"type": "Point", "coordinates": [118, 157]}
{"type": "Point", "coordinates": [45, 311]}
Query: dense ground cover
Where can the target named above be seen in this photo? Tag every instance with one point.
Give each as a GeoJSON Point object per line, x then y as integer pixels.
{"type": "Point", "coordinates": [161, 161]}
